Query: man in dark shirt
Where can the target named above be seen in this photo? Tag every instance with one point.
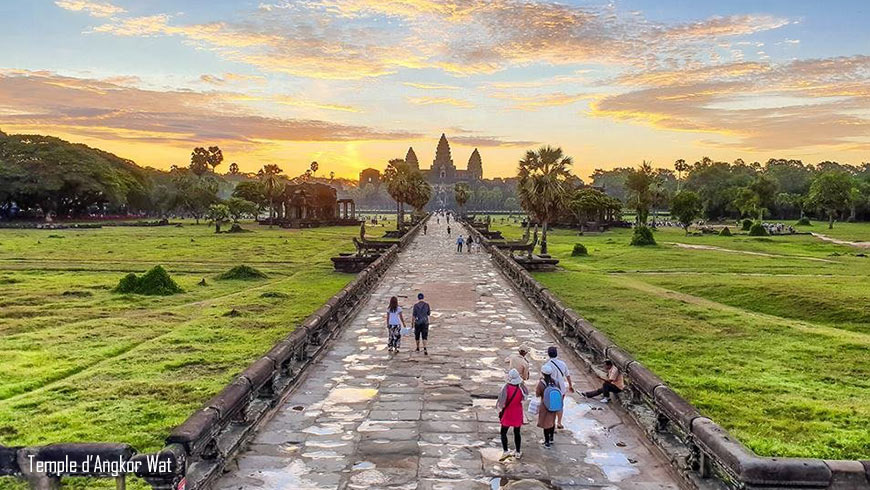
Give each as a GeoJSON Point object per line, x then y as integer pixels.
{"type": "Point", "coordinates": [420, 320]}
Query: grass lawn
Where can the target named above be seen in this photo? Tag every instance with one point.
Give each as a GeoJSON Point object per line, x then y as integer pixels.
{"type": "Point", "coordinates": [81, 363]}
{"type": "Point", "coordinates": [769, 337]}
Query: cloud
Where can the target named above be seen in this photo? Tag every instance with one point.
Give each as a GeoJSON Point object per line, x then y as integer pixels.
{"type": "Point", "coordinates": [431, 86]}
{"type": "Point", "coordinates": [88, 106]}
{"type": "Point", "coordinates": [754, 106]}
{"type": "Point", "coordinates": [298, 102]}
{"type": "Point", "coordinates": [356, 39]}
{"type": "Point", "coordinates": [450, 101]}
{"type": "Point", "coordinates": [539, 101]}
{"type": "Point", "coordinates": [490, 141]}
{"type": "Point", "coordinates": [95, 9]}
{"type": "Point", "coordinates": [229, 78]}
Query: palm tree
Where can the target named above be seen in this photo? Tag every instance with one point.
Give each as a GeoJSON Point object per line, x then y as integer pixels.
{"type": "Point", "coordinates": [397, 178]}
{"type": "Point", "coordinates": [542, 186]}
{"type": "Point", "coordinates": [639, 183]}
{"type": "Point", "coordinates": [269, 176]}
{"type": "Point", "coordinates": [461, 193]}
{"type": "Point", "coordinates": [314, 167]}
{"type": "Point", "coordinates": [420, 192]}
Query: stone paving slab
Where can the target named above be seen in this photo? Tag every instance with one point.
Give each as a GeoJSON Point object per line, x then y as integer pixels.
{"type": "Point", "coordinates": [364, 418]}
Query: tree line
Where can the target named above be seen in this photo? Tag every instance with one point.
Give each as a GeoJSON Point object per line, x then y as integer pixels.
{"type": "Point", "coordinates": [777, 189]}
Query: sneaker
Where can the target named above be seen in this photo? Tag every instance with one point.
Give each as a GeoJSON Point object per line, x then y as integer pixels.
{"type": "Point", "coordinates": [425, 352]}
{"type": "Point", "coordinates": [418, 349]}
{"type": "Point", "coordinates": [505, 456]}
{"type": "Point", "coordinates": [548, 445]}
{"type": "Point", "coordinates": [605, 400]}
{"type": "Point", "coordinates": [518, 455]}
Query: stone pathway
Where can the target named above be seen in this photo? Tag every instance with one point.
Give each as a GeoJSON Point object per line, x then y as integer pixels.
{"type": "Point", "coordinates": [364, 418]}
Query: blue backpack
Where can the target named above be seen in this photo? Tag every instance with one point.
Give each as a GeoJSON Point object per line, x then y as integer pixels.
{"type": "Point", "coordinates": [552, 398]}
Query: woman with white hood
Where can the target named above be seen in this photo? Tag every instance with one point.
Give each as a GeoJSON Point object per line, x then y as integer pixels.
{"type": "Point", "coordinates": [510, 406]}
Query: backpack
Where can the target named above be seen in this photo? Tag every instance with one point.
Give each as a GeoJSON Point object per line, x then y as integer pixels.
{"type": "Point", "coordinates": [552, 398]}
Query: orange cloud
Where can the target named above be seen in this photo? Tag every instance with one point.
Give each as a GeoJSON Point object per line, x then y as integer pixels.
{"type": "Point", "coordinates": [335, 39]}
{"type": "Point", "coordinates": [95, 9]}
{"type": "Point", "coordinates": [450, 101]}
{"type": "Point", "coordinates": [758, 107]}
{"type": "Point", "coordinates": [87, 106]}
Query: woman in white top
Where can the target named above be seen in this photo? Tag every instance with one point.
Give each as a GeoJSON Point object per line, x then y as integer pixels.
{"type": "Point", "coordinates": [395, 323]}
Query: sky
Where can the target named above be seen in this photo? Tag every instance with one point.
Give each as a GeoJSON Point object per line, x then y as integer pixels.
{"type": "Point", "coordinates": [354, 83]}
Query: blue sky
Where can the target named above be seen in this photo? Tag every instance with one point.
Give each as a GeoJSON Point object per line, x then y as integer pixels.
{"type": "Point", "coordinates": [353, 83]}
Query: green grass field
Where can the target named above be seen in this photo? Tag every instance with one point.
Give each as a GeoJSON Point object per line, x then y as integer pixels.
{"type": "Point", "coordinates": [770, 337]}
{"type": "Point", "coordinates": [81, 363]}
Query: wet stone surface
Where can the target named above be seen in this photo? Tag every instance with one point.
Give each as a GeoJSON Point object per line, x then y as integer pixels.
{"type": "Point", "coordinates": [365, 418]}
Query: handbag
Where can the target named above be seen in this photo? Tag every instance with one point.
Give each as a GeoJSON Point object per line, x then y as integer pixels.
{"type": "Point", "coordinates": [405, 331]}
{"type": "Point", "coordinates": [534, 405]}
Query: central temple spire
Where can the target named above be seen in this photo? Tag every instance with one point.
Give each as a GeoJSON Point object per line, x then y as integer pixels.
{"type": "Point", "coordinates": [442, 154]}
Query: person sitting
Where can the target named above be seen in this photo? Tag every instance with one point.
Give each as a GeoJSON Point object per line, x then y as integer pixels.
{"type": "Point", "coordinates": [613, 383]}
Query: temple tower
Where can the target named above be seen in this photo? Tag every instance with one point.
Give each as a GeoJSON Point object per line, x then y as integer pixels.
{"type": "Point", "coordinates": [411, 159]}
{"type": "Point", "coordinates": [475, 166]}
{"type": "Point", "coordinates": [442, 167]}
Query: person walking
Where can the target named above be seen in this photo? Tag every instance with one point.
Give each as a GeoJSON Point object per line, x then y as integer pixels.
{"type": "Point", "coordinates": [448, 230]}
{"type": "Point", "coordinates": [459, 242]}
{"type": "Point", "coordinates": [547, 408]}
{"type": "Point", "coordinates": [562, 377]}
{"type": "Point", "coordinates": [420, 322]}
{"type": "Point", "coordinates": [519, 362]}
{"type": "Point", "coordinates": [469, 243]}
{"type": "Point", "coordinates": [395, 323]}
{"type": "Point", "coordinates": [425, 227]}
{"type": "Point", "coordinates": [510, 406]}
{"type": "Point", "coordinates": [613, 383]}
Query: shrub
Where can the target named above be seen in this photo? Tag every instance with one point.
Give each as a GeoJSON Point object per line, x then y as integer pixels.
{"type": "Point", "coordinates": [725, 232]}
{"type": "Point", "coordinates": [579, 249]}
{"type": "Point", "coordinates": [242, 272]}
{"type": "Point", "coordinates": [757, 230]}
{"type": "Point", "coordinates": [642, 236]}
{"type": "Point", "coordinates": [155, 282]}
{"type": "Point", "coordinates": [803, 222]}
{"type": "Point", "coordinates": [747, 224]}
{"type": "Point", "coordinates": [274, 294]}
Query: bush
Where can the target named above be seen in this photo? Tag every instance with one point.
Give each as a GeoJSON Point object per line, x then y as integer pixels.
{"type": "Point", "coordinates": [803, 222]}
{"type": "Point", "coordinates": [274, 294]}
{"type": "Point", "coordinates": [579, 250]}
{"type": "Point", "coordinates": [155, 282]}
{"type": "Point", "coordinates": [757, 230]}
{"type": "Point", "coordinates": [642, 236]}
{"type": "Point", "coordinates": [747, 224]}
{"type": "Point", "coordinates": [243, 273]}
{"type": "Point", "coordinates": [725, 232]}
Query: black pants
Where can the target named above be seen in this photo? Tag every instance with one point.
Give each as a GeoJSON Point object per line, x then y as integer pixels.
{"type": "Point", "coordinates": [458, 247]}
{"type": "Point", "coordinates": [548, 435]}
{"type": "Point", "coordinates": [606, 390]}
{"type": "Point", "coordinates": [517, 438]}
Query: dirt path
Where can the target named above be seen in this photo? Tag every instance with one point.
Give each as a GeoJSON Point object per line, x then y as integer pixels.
{"type": "Point", "coordinates": [748, 252]}
{"type": "Point", "coordinates": [841, 242]}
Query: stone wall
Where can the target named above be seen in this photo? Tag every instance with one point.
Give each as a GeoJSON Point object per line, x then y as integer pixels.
{"type": "Point", "coordinates": [701, 451]}
{"type": "Point", "coordinates": [197, 450]}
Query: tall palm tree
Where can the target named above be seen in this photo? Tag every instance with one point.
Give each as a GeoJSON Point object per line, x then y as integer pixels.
{"type": "Point", "coordinates": [397, 176]}
{"type": "Point", "coordinates": [639, 183]}
{"type": "Point", "coordinates": [420, 192]}
{"type": "Point", "coordinates": [542, 186]}
{"type": "Point", "coordinates": [269, 175]}
{"type": "Point", "coordinates": [461, 193]}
